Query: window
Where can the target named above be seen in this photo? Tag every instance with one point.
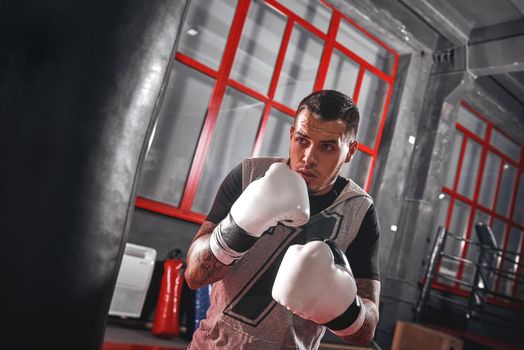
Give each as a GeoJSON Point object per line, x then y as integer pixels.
{"type": "Point", "coordinates": [485, 182]}
{"type": "Point", "coordinates": [240, 71]}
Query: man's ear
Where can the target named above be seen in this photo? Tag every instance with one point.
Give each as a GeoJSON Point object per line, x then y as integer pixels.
{"type": "Point", "coordinates": [291, 131]}
{"type": "Point", "coordinates": [353, 146]}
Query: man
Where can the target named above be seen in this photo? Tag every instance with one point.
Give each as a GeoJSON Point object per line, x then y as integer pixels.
{"type": "Point", "coordinates": [272, 226]}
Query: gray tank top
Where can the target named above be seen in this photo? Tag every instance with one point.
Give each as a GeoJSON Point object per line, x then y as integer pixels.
{"type": "Point", "coordinates": [242, 314]}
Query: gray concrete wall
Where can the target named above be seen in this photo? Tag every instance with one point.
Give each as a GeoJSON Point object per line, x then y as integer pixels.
{"type": "Point", "coordinates": [424, 179]}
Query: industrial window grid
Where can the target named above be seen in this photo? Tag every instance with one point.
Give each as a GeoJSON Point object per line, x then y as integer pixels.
{"type": "Point", "coordinates": [222, 81]}
{"type": "Point", "coordinates": [475, 205]}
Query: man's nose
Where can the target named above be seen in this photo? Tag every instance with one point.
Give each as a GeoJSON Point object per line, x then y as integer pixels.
{"type": "Point", "coordinates": [310, 157]}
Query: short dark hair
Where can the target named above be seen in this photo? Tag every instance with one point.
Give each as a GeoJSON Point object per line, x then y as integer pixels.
{"type": "Point", "coordinates": [332, 105]}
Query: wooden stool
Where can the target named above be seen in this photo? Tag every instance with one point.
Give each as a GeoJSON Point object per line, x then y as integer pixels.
{"type": "Point", "coordinates": [411, 336]}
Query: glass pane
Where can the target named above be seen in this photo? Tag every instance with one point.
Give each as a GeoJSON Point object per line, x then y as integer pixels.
{"type": "Point", "coordinates": [358, 169]}
{"type": "Point", "coordinates": [453, 162]}
{"type": "Point", "coordinates": [506, 189]}
{"type": "Point", "coordinates": [276, 136]}
{"type": "Point", "coordinates": [518, 213]}
{"type": "Point", "coordinates": [498, 227]}
{"type": "Point", "coordinates": [453, 246]}
{"type": "Point", "coordinates": [370, 105]}
{"type": "Point", "coordinates": [312, 11]}
{"type": "Point", "coordinates": [459, 220]}
{"type": "Point", "coordinates": [258, 49]}
{"type": "Point", "coordinates": [205, 30]}
{"type": "Point", "coordinates": [504, 144]}
{"type": "Point", "coordinates": [511, 260]}
{"type": "Point", "coordinates": [300, 67]}
{"type": "Point", "coordinates": [469, 169]}
{"type": "Point", "coordinates": [232, 141]}
{"type": "Point", "coordinates": [342, 74]}
{"type": "Point", "coordinates": [468, 273]}
{"type": "Point", "coordinates": [489, 180]}
{"type": "Point", "coordinates": [471, 122]}
{"type": "Point", "coordinates": [473, 250]}
{"type": "Point", "coordinates": [365, 47]}
{"type": "Point", "coordinates": [176, 134]}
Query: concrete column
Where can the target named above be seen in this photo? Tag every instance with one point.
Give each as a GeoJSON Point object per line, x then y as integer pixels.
{"type": "Point", "coordinates": [425, 176]}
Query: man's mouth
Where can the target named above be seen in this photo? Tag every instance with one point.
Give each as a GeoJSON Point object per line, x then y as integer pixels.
{"type": "Point", "coordinates": [307, 175]}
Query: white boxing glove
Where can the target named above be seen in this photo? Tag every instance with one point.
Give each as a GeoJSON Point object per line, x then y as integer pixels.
{"type": "Point", "coordinates": [279, 196]}
{"type": "Point", "coordinates": [315, 282]}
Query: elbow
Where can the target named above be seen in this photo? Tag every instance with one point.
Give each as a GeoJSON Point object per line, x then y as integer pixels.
{"type": "Point", "coordinates": [191, 282]}
{"type": "Point", "coordinates": [192, 285]}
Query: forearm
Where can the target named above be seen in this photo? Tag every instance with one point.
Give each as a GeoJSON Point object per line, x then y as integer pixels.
{"type": "Point", "coordinates": [202, 266]}
{"type": "Point", "coordinates": [365, 334]}
{"type": "Point", "coordinates": [369, 292]}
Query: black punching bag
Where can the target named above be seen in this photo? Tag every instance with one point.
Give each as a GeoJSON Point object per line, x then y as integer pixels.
{"type": "Point", "coordinates": [79, 82]}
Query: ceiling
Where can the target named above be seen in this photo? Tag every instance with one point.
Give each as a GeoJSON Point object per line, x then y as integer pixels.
{"type": "Point", "coordinates": [503, 19]}
{"type": "Point", "coordinates": [493, 30]}
{"type": "Point", "coordinates": [483, 13]}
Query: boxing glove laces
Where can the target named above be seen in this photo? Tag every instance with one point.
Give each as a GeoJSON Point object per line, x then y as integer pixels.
{"type": "Point", "coordinates": [315, 281]}
{"type": "Point", "coordinates": [279, 196]}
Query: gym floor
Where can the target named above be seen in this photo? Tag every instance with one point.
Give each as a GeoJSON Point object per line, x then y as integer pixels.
{"type": "Point", "coordinates": [120, 337]}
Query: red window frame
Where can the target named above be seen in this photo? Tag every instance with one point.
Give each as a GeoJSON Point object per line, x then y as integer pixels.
{"type": "Point", "coordinates": [222, 81]}
{"type": "Point", "coordinates": [475, 205]}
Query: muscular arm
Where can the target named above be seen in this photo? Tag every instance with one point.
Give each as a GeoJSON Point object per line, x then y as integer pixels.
{"type": "Point", "coordinates": [202, 266]}
{"type": "Point", "coordinates": [369, 291]}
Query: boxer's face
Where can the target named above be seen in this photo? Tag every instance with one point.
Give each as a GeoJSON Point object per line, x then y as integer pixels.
{"type": "Point", "coordinates": [318, 149]}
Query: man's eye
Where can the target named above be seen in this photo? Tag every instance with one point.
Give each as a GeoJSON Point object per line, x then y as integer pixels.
{"type": "Point", "coordinates": [301, 140]}
{"type": "Point", "coordinates": [327, 147]}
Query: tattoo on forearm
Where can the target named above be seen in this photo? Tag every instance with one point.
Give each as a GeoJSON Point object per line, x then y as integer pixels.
{"type": "Point", "coordinates": [210, 267]}
{"type": "Point", "coordinates": [204, 267]}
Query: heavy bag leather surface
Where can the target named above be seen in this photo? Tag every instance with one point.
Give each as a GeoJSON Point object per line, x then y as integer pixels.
{"type": "Point", "coordinates": [79, 84]}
